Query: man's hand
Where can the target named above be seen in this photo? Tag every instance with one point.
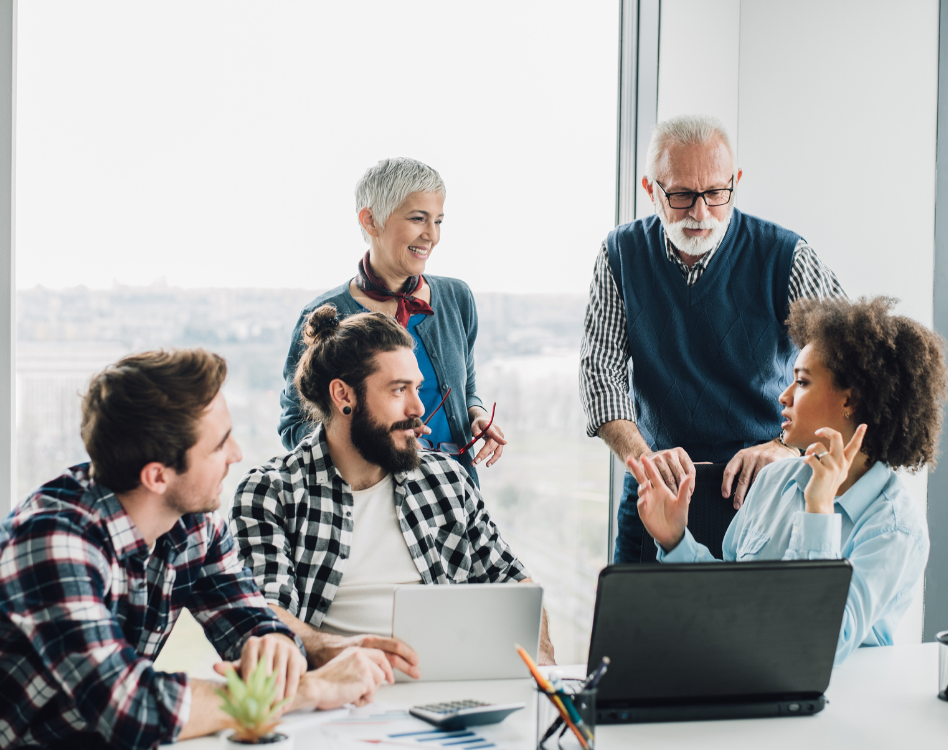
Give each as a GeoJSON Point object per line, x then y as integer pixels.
{"type": "Point", "coordinates": [399, 654]}
{"type": "Point", "coordinates": [747, 463]}
{"type": "Point", "coordinates": [351, 677]}
{"type": "Point", "coordinates": [663, 514]}
{"type": "Point", "coordinates": [281, 655]}
{"type": "Point", "coordinates": [831, 469]}
{"type": "Point", "coordinates": [494, 440]}
{"type": "Point", "coordinates": [673, 465]}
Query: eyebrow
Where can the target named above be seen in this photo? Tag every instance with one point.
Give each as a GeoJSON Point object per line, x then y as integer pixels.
{"type": "Point", "coordinates": [421, 211]}
{"type": "Point", "coordinates": [800, 369]}
{"type": "Point", "coordinates": [404, 382]}
{"type": "Point", "coordinates": [221, 443]}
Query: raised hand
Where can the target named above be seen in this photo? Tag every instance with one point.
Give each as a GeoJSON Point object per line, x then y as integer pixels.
{"type": "Point", "coordinates": [830, 467]}
{"type": "Point", "coordinates": [663, 512]}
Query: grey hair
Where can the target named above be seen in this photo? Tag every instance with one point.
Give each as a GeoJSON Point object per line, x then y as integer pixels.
{"type": "Point", "coordinates": [684, 129]}
{"type": "Point", "coordinates": [384, 187]}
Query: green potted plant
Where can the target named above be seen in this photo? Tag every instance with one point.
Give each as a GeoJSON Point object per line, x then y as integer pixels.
{"type": "Point", "coordinates": [254, 710]}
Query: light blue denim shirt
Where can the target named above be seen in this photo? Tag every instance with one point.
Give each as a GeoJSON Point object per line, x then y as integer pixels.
{"type": "Point", "coordinates": [877, 526]}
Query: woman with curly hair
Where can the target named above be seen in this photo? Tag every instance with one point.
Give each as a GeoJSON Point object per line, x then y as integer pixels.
{"type": "Point", "coordinates": [867, 400]}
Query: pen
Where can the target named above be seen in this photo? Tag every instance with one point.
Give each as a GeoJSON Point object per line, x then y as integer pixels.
{"type": "Point", "coordinates": [557, 684]}
{"type": "Point", "coordinates": [545, 686]}
{"type": "Point", "coordinates": [592, 681]}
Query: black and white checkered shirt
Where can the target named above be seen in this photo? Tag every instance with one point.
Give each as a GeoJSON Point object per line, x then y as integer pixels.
{"type": "Point", "coordinates": [605, 357]}
{"type": "Point", "coordinates": [292, 519]}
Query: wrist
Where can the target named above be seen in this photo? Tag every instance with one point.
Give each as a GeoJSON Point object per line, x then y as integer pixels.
{"type": "Point", "coordinates": [669, 547]}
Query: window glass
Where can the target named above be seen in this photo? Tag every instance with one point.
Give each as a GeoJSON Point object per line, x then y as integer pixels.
{"type": "Point", "coordinates": [185, 176]}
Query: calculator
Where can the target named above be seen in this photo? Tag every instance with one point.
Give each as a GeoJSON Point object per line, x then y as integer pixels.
{"type": "Point", "coordinates": [460, 714]}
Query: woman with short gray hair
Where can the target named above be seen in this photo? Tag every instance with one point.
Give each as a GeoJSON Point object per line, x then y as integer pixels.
{"type": "Point", "coordinates": [400, 205]}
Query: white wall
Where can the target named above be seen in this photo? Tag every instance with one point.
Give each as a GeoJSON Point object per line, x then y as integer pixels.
{"type": "Point", "coordinates": [831, 105]}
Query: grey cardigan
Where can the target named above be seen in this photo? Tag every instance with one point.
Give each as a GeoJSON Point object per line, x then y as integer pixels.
{"type": "Point", "coordinates": [448, 335]}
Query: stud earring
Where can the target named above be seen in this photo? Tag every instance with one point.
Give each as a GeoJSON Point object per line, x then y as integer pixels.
{"type": "Point", "coordinates": [347, 410]}
{"type": "Point", "coordinates": [846, 414]}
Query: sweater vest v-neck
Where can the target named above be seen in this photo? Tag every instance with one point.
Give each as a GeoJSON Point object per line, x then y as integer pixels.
{"type": "Point", "coordinates": [708, 360]}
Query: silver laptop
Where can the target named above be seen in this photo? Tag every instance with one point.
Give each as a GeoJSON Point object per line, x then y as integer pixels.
{"type": "Point", "coordinates": [468, 631]}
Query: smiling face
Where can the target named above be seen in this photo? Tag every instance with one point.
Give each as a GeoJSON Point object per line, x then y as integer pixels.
{"type": "Point", "coordinates": [694, 167]}
{"type": "Point", "coordinates": [198, 490]}
{"type": "Point", "coordinates": [812, 401]}
{"type": "Point", "coordinates": [388, 413]}
{"type": "Point", "coordinates": [403, 247]}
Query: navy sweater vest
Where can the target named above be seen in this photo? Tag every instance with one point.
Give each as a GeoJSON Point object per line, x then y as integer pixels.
{"type": "Point", "coordinates": [710, 360]}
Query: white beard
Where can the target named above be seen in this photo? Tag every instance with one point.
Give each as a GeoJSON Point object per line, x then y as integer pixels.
{"type": "Point", "coordinates": [696, 246]}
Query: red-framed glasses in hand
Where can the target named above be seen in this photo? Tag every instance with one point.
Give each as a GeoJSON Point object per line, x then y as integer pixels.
{"type": "Point", "coordinates": [451, 448]}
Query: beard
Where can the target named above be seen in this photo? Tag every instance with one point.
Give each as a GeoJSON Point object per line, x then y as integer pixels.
{"type": "Point", "coordinates": [375, 443]}
{"type": "Point", "coordinates": [694, 245]}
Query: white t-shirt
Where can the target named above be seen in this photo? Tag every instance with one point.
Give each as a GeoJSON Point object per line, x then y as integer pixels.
{"type": "Point", "coordinates": [378, 562]}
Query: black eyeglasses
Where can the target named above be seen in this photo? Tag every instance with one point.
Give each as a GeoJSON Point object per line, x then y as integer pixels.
{"type": "Point", "coordinates": [451, 448]}
{"type": "Point", "coordinates": [718, 197]}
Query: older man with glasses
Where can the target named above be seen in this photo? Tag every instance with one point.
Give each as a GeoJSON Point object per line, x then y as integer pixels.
{"type": "Point", "coordinates": [693, 302]}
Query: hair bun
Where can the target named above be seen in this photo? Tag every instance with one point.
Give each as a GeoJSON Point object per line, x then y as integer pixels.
{"type": "Point", "coordinates": [320, 322]}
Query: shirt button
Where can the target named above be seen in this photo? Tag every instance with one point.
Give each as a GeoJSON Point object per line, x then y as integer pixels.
{"type": "Point", "coordinates": [348, 514]}
{"type": "Point", "coordinates": [444, 389]}
{"type": "Point", "coordinates": [343, 556]}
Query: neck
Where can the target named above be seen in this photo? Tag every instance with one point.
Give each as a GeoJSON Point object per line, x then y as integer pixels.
{"type": "Point", "coordinates": [394, 282]}
{"type": "Point", "coordinates": [688, 260]}
{"type": "Point", "coordinates": [148, 513]}
{"type": "Point", "coordinates": [858, 468]}
{"type": "Point", "coordinates": [358, 473]}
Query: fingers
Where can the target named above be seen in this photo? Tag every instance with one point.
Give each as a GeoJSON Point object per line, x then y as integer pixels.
{"type": "Point", "coordinates": [279, 661]}
{"type": "Point", "coordinates": [687, 487]}
{"type": "Point", "coordinates": [378, 659]}
{"type": "Point", "coordinates": [638, 471]}
{"type": "Point", "coordinates": [223, 667]}
{"type": "Point", "coordinates": [294, 673]}
{"type": "Point", "coordinates": [249, 657]}
{"type": "Point", "coordinates": [748, 474]}
{"type": "Point", "coordinates": [855, 444]}
{"type": "Point", "coordinates": [685, 460]}
{"type": "Point", "coordinates": [732, 469]}
{"type": "Point", "coordinates": [391, 646]}
{"type": "Point", "coordinates": [652, 472]}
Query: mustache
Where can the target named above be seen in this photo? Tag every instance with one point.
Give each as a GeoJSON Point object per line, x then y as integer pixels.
{"type": "Point", "coordinates": [408, 424]}
{"type": "Point", "coordinates": [689, 223]}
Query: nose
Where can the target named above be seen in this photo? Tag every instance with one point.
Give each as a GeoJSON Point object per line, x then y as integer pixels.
{"type": "Point", "coordinates": [786, 398]}
{"type": "Point", "coordinates": [699, 211]}
{"type": "Point", "coordinates": [235, 455]}
{"type": "Point", "coordinates": [415, 406]}
{"type": "Point", "coordinates": [432, 232]}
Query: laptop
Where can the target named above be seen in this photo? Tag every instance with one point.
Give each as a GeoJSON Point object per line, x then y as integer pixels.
{"type": "Point", "coordinates": [717, 640]}
{"type": "Point", "coordinates": [468, 631]}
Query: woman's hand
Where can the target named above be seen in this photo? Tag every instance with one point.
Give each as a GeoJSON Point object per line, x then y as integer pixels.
{"type": "Point", "coordinates": [494, 441]}
{"type": "Point", "coordinates": [830, 467]}
{"type": "Point", "coordinates": [663, 513]}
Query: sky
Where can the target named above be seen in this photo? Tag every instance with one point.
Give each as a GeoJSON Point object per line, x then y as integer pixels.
{"type": "Point", "coordinates": [218, 144]}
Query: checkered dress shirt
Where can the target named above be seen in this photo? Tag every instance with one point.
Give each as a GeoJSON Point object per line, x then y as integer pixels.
{"type": "Point", "coordinates": [85, 607]}
{"type": "Point", "coordinates": [292, 519]}
{"type": "Point", "coordinates": [605, 356]}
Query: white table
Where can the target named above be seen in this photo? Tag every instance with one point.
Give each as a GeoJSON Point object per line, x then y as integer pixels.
{"type": "Point", "coordinates": [880, 698]}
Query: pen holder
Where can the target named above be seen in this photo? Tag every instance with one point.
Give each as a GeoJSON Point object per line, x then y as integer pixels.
{"type": "Point", "coordinates": [563, 737]}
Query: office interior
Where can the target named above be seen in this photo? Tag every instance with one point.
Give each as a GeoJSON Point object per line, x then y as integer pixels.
{"type": "Point", "coordinates": [537, 114]}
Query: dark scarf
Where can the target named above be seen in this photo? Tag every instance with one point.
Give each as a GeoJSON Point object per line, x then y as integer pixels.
{"type": "Point", "coordinates": [374, 288]}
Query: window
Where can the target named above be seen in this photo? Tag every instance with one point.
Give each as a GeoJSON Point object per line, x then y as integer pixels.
{"type": "Point", "coordinates": [185, 176]}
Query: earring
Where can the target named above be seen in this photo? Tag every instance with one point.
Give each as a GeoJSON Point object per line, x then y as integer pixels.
{"type": "Point", "coordinates": [846, 414]}
{"type": "Point", "coordinates": [347, 410]}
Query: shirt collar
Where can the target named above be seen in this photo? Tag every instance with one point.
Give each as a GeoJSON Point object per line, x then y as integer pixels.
{"type": "Point", "coordinates": [127, 540]}
{"type": "Point", "coordinates": [857, 499]}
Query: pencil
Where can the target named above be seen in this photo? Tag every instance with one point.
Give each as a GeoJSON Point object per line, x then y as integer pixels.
{"type": "Point", "coordinates": [547, 688]}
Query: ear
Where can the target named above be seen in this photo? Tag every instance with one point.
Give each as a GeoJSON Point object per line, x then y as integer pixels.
{"type": "Point", "coordinates": [738, 179]}
{"type": "Point", "coordinates": [648, 188]}
{"type": "Point", "coordinates": [155, 477]}
{"type": "Point", "coordinates": [367, 220]}
{"type": "Point", "coordinates": [849, 403]}
{"type": "Point", "coordinates": [342, 395]}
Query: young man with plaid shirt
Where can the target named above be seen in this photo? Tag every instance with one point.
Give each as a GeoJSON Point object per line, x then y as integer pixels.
{"type": "Point", "coordinates": [96, 566]}
{"type": "Point", "coordinates": [332, 527]}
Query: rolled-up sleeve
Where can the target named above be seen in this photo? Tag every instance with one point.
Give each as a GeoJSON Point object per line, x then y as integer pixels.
{"type": "Point", "coordinates": [53, 588]}
{"type": "Point", "coordinates": [258, 524]}
{"type": "Point", "coordinates": [604, 354]}
{"type": "Point", "coordinates": [226, 601]}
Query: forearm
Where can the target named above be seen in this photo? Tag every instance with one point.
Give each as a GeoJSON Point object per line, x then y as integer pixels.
{"type": "Point", "coordinates": [624, 439]}
{"type": "Point", "coordinates": [206, 714]}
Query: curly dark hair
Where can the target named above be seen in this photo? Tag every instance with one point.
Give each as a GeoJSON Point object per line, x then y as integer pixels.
{"type": "Point", "coordinates": [894, 366]}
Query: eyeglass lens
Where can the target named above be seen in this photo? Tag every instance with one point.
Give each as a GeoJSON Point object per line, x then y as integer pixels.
{"type": "Point", "coordinates": [711, 197]}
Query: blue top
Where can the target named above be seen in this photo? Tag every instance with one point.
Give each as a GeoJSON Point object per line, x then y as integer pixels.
{"type": "Point", "coordinates": [448, 337]}
{"type": "Point", "coordinates": [877, 526]}
{"type": "Point", "coordinates": [710, 359]}
{"type": "Point", "coordinates": [431, 393]}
